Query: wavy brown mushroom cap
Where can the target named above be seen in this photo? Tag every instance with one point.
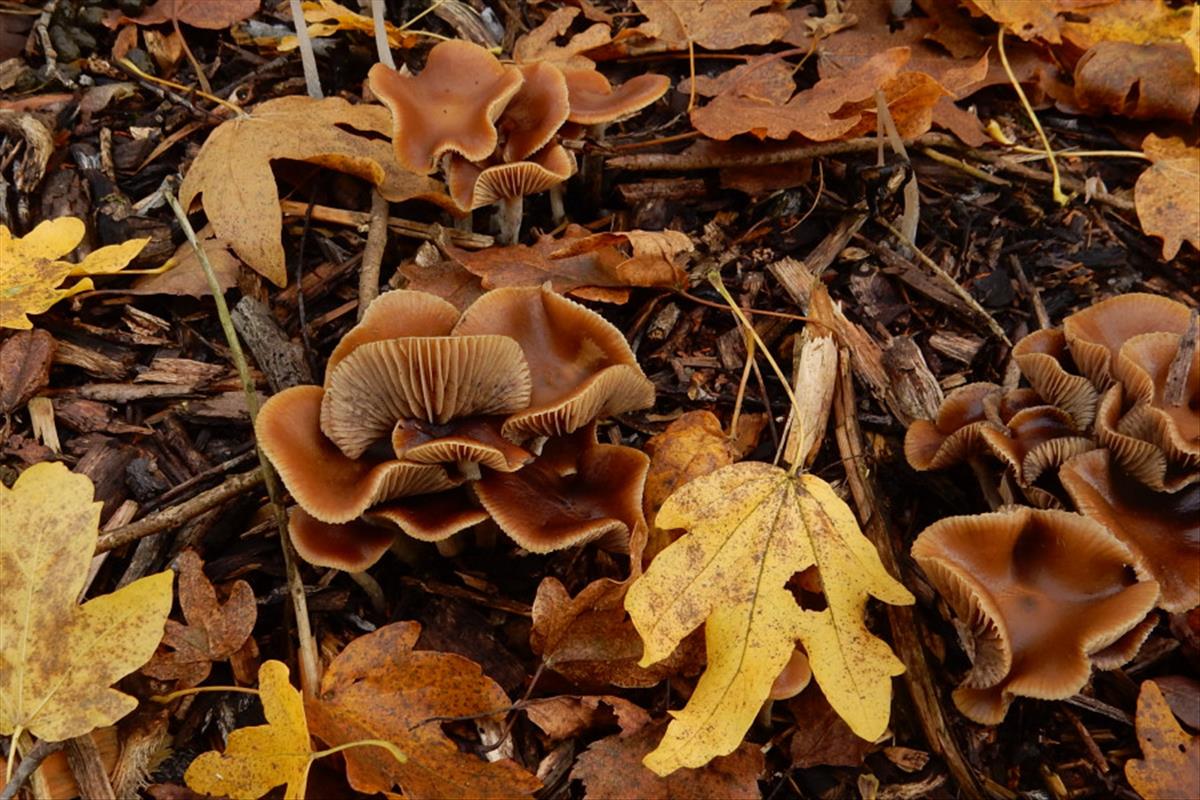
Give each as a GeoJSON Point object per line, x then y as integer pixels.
{"type": "Point", "coordinates": [450, 107]}
{"type": "Point", "coordinates": [429, 518]}
{"type": "Point", "coordinates": [955, 434]}
{"type": "Point", "coordinates": [477, 185]}
{"type": "Point", "coordinates": [1041, 593]}
{"type": "Point", "coordinates": [577, 490]}
{"type": "Point", "coordinates": [794, 678]}
{"type": "Point", "coordinates": [593, 99]}
{"type": "Point", "coordinates": [1045, 361]}
{"type": "Point", "coordinates": [474, 440]}
{"type": "Point", "coordinates": [581, 365]}
{"type": "Point", "coordinates": [1095, 335]}
{"type": "Point", "coordinates": [534, 114]}
{"type": "Point", "coordinates": [330, 486]}
{"type": "Point", "coordinates": [1034, 440]}
{"type": "Point", "coordinates": [1143, 367]}
{"type": "Point", "coordinates": [1162, 529]}
{"type": "Point", "coordinates": [351, 546]}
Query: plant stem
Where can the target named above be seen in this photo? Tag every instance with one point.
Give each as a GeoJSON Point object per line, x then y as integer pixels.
{"type": "Point", "coordinates": [312, 80]}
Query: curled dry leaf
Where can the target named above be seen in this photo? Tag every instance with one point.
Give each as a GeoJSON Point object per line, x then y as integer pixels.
{"type": "Point", "coordinates": [1028, 19]}
{"type": "Point", "coordinates": [1142, 81]}
{"type": "Point", "coordinates": [716, 26]}
{"type": "Point", "coordinates": [326, 18]}
{"type": "Point", "coordinates": [214, 630]}
{"type": "Point", "coordinates": [611, 769]}
{"type": "Point", "coordinates": [566, 716]}
{"type": "Point", "coordinates": [1170, 766]}
{"type": "Point", "coordinates": [1133, 21]}
{"type": "Point", "coordinates": [232, 173]}
{"type": "Point", "coordinates": [261, 757]}
{"type": "Point", "coordinates": [59, 658]}
{"type": "Point", "coordinates": [379, 687]}
{"type": "Point", "coordinates": [751, 527]}
{"type": "Point", "coordinates": [1167, 195]}
{"type": "Point", "coordinates": [31, 272]}
{"type": "Point", "coordinates": [211, 14]}
{"type": "Point", "coordinates": [541, 43]}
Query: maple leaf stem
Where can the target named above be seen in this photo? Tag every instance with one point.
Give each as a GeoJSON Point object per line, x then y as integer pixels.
{"type": "Point", "coordinates": [309, 664]}
{"type": "Point", "coordinates": [169, 697]}
{"type": "Point", "coordinates": [396, 752]}
{"type": "Point", "coordinates": [126, 64]}
{"type": "Point", "coordinates": [1056, 186]}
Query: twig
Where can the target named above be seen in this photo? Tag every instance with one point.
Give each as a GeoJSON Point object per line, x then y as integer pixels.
{"type": "Point", "coordinates": [683, 162]}
{"type": "Point", "coordinates": [309, 663]}
{"type": "Point", "coordinates": [1175, 393]}
{"type": "Point", "coordinates": [368, 273]}
{"type": "Point", "coordinates": [1056, 182]}
{"type": "Point", "coordinates": [83, 757]}
{"type": "Point", "coordinates": [176, 515]}
{"type": "Point", "coordinates": [41, 27]}
{"type": "Point", "coordinates": [312, 80]}
{"type": "Point", "coordinates": [959, 164]}
{"type": "Point", "coordinates": [1035, 297]}
{"type": "Point", "coordinates": [404, 227]}
{"type": "Point", "coordinates": [28, 765]}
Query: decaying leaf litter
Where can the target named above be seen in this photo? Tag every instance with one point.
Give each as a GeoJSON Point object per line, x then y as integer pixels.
{"type": "Point", "coordinates": [867, 242]}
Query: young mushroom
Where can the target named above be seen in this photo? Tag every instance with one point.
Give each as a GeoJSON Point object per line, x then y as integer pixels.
{"type": "Point", "coordinates": [1041, 596]}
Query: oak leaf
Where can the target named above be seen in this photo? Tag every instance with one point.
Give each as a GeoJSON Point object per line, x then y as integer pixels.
{"type": "Point", "coordinates": [261, 757]}
{"type": "Point", "coordinates": [1132, 21]}
{"type": "Point", "coordinates": [1142, 81]}
{"type": "Point", "coordinates": [58, 659]}
{"type": "Point", "coordinates": [232, 173]}
{"type": "Point", "coordinates": [31, 270]}
{"type": "Point", "coordinates": [611, 769]}
{"type": "Point", "coordinates": [1171, 763]}
{"type": "Point", "coordinates": [214, 630]}
{"type": "Point", "coordinates": [211, 14]}
{"type": "Point", "coordinates": [751, 527]}
{"type": "Point", "coordinates": [1026, 18]}
{"type": "Point", "coordinates": [714, 24]}
{"type": "Point", "coordinates": [541, 43]}
{"type": "Point", "coordinates": [379, 687]}
{"type": "Point", "coordinates": [326, 18]}
{"type": "Point", "coordinates": [1167, 195]}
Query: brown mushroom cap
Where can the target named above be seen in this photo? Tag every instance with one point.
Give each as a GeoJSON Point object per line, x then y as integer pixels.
{"type": "Point", "coordinates": [329, 486]}
{"type": "Point", "coordinates": [1095, 334]}
{"type": "Point", "coordinates": [451, 107]}
{"type": "Point", "coordinates": [1142, 460]}
{"type": "Point", "coordinates": [581, 365]}
{"type": "Point", "coordinates": [434, 379]}
{"type": "Point", "coordinates": [796, 675]}
{"type": "Point", "coordinates": [1162, 529]}
{"type": "Point", "coordinates": [352, 546]}
{"type": "Point", "coordinates": [475, 186]}
{"type": "Point", "coordinates": [1034, 440]}
{"type": "Point", "coordinates": [594, 100]}
{"type": "Point", "coordinates": [954, 435]}
{"type": "Point", "coordinates": [1142, 367]}
{"type": "Point", "coordinates": [431, 517]}
{"type": "Point", "coordinates": [535, 113]}
{"type": "Point", "coordinates": [395, 315]}
{"type": "Point", "coordinates": [1040, 592]}
{"type": "Point", "coordinates": [474, 440]}
{"type": "Point", "coordinates": [1046, 363]}
{"type": "Point", "coordinates": [575, 491]}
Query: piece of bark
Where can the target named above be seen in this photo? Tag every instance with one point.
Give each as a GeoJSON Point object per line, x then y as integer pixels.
{"type": "Point", "coordinates": [913, 387]}
{"type": "Point", "coordinates": [180, 372]}
{"type": "Point", "coordinates": [93, 362]}
{"type": "Point", "coordinates": [24, 367]}
{"type": "Point", "coordinates": [280, 359]}
{"type": "Point", "coordinates": [129, 392]}
{"type": "Point", "coordinates": [88, 768]}
{"type": "Point", "coordinates": [960, 348]}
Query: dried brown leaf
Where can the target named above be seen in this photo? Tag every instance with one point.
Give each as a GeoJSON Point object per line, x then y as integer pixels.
{"type": "Point", "coordinates": [1142, 81]}
{"type": "Point", "coordinates": [566, 716]}
{"type": "Point", "coordinates": [1170, 766]}
{"type": "Point", "coordinates": [1167, 195]}
{"type": "Point", "coordinates": [715, 25]}
{"type": "Point", "coordinates": [211, 14]}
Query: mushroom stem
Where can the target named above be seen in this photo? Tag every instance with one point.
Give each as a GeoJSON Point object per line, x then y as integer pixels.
{"type": "Point", "coordinates": [591, 170]}
{"type": "Point", "coordinates": [557, 212]}
{"type": "Point", "coordinates": [465, 223]}
{"type": "Point", "coordinates": [509, 214]}
{"type": "Point", "coordinates": [469, 470]}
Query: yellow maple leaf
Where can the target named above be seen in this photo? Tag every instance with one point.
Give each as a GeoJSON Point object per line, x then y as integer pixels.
{"type": "Point", "coordinates": [326, 18]}
{"type": "Point", "coordinates": [31, 272]}
{"type": "Point", "coordinates": [259, 758]}
{"type": "Point", "coordinates": [751, 527]}
{"type": "Point", "coordinates": [58, 659]}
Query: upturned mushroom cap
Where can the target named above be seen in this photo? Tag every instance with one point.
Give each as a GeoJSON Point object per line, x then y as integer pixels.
{"type": "Point", "coordinates": [1034, 440]}
{"type": "Point", "coordinates": [594, 100]}
{"type": "Point", "coordinates": [581, 365]}
{"type": "Point", "coordinates": [1039, 592]}
{"type": "Point", "coordinates": [1142, 367]}
{"type": "Point", "coordinates": [474, 440]}
{"type": "Point", "coordinates": [577, 490]}
{"type": "Point", "coordinates": [395, 315]}
{"type": "Point", "coordinates": [330, 486]}
{"type": "Point", "coordinates": [955, 434]}
{"type": "Point", "coordinates": [535, 113]}
{"type": "Point", "coordinates": [351, 546]}
{"type": "Point", "coordinates": [429, 518]}
{"type": "Point", "coordinates": [450, 107]}
{"type": "Point", "coordinates": [475, 186]}
{"type": "Point", "coordinates": [1095, 334]}
{"type": "Point", "coordinates": [794, 678]}
{"type": "Point", "coordinates": [1044, 360]}
{"type": "Point", "coordinates": [1161, 529]}
{"type": "Point", "coordinates": [434, 379]}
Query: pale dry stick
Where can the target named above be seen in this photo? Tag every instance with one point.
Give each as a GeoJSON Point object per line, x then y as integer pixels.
{"type": "Point", "coordinates": [911, 218]}
{"type": "Point", "coordinates": [951, 284]}
{"type": "Point", "coordinates": [308, 60]}
{"type": "Point", "coordinates": [404, 227]}
{"type": "Point", "coordinates": [368, 271]}
{"type": "Point", "coordinates": [29, 764]}
{"type": "Point", "coordinates": [685, 162]}
{"type": "Point", "coordinates": [309, 663]}
{"type": "Point", "coordinates": [959, 164]}
{"type": "Point", "coordinates": [1056, 185]}
{"type": "Point", "coordinates": [906, 635]}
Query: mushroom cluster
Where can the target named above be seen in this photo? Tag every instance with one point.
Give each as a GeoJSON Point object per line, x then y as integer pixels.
{"type": "Point", "coordinates": [430, 421]}
{"type": "Point", "coordinates": [493, 128]}
{"type": "Point", "coordinates": [1109, 424]}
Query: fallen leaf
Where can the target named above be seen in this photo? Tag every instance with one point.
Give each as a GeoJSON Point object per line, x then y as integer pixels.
{"type": "Point", "coordinates": [612, 769]}
{"type": "Point", "coordinates": [380, 688]}
{"type": "Point", "coordinates": [210, 14]}
{"type": "Point", "coordinates": [710, 23]}
{"type": "Point", "coordinates": [1167, 195]}
{"type": "Point", "coordinates": [1028, 19]}
{"type": "Point", "coordinates": [261, 757]}
{"type": "Point", "coordinates": [1141, 81]}
{"type": "Point", "coordinates": [214, 630]}
{"type": "Point", "coordinates": [24, 367]}
{"type": "Point", "coordinates": [822, 737]}
{"type": "Point", "coordinates": [1183, 696]}
{"type": "Point", "coordinates": [31, 272]}
{"type": "Point", "coordinates": [1133, 21]}
{"type": "Point", "coordinates": [567, 716]}
{"type": "Point", "coordinates": [1170, 766]}
{"type": "Point", "coordinates": [58, 658]}
{"type": "Point", "coordinates": [541, 43]}
{"type": "Point", "coordinates": [326, 18]}
{"type": "Point", "coordinates": [751, 527]}
{"type": "Point", "coordinates": [186, 276]}
{"type": "Point", "coordinates": [232, 173]}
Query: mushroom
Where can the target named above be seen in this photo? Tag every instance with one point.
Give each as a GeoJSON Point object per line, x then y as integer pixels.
{"type": "Point", "coordinates": [475, 185]}
{"type": "Point", "coordinates": [1034, 440]}
{"type": "Point", "coordinates": [1095, 335]}
{"type": "Point", "coordinates": [350, 546]}
{"type": "Point", "coordinates": [577, 490]}
{"type": "Point", "coordinates": [450, 107]}
{"type": "Point", "coordinates": [1045, 361]}
{"type": "Point", "coordinates": [1043, 597]}
{"type": "Point", "coordinates": [955, 434]}
{"type": "Point", "coordinates": [429, 518]}
{"type": "Point", "coordinates": [796, 675]}
{"type": "Point", "coordinates": [581, 365]}
{"type": "Point", "coordinates": [1161, 529]}
{"type": "Point", "coordinates": [594, 101]}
